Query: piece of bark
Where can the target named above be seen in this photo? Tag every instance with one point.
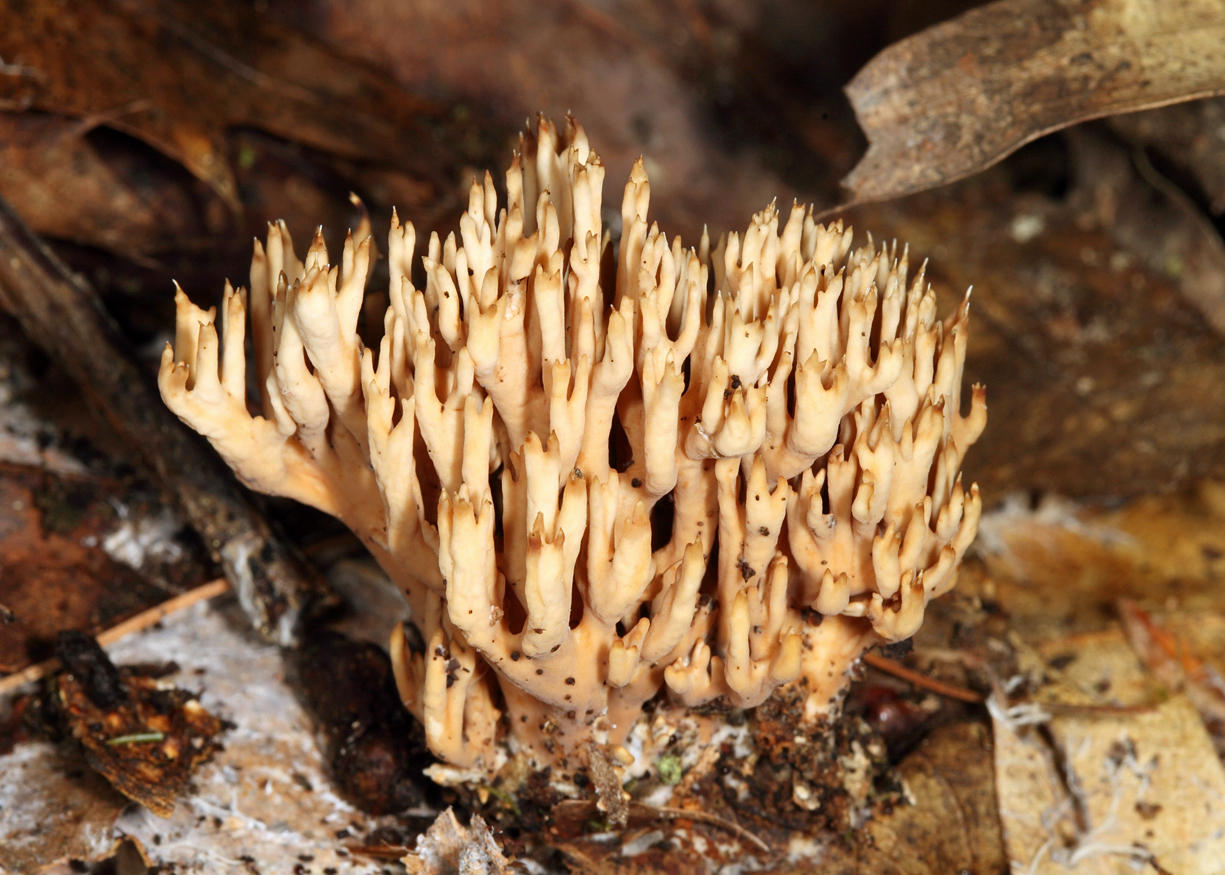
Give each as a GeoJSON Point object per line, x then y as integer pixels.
{"type": "Point", "coordinates": [956, 98]}
{"type": "Point", "coordinates": [146, 737]}
{"type": "Point", "coordinates": [63, 316]}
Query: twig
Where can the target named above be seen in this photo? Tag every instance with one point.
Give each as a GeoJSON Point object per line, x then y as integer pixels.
{"type": "Point", "coordinates": [379, 852]}
{"type": "Point", "coordinates": [712, 820]}
{"type": "Point", "coordinates": [651, 812]}
{"type": "Point", "coordinates": [574, 855]}
{"type": "Point", "coordinates": [135, 623]}
{"type": "Point", "coordinates": [136, 738]}
{"type": "Point", "coordinates": [896, 669]}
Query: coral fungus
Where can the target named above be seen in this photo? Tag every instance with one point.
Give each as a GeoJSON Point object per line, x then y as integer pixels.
{"type": "Point", "coordinates": [604, 471]}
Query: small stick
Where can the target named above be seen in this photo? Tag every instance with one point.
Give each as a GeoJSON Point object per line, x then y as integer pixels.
{"type": "Point", "coordinates": [896, 669]}
{"type": "Point", "coordinates": [379, 852]}
{"type": "Point", "coordinates": [135, 623]}
{"type": "Point", "coordinates": [712, 820]}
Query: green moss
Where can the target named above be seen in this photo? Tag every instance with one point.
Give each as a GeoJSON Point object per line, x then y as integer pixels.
{"type": "Point", "coordinates": [669, 768]}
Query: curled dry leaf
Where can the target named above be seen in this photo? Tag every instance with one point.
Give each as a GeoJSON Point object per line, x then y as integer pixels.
{"type": "Point", "coordinates": [957, 97]}
{"type": "Point", "coordinates": [449, 846]}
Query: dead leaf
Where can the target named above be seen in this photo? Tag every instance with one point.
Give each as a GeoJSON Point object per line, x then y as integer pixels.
{"type": "Point", "coordinates": [448, 846]}
{"type": "Point", "coordinates": [54, 572]}
{"type": "Point", "coordinates": [178, 79]}
{"type": "Point", "coordinates": [956, 98]}
{"type": "Point", "coordinates": [1124, 771]}
{"type": "Point", "coordinates": [952, 825]}
{"type": "Point", "coordinates": [66, 187]}
{"type": "Point", "coordinates": [1060, 569]}
{"type": "Point", "coordinates": [1141, 787]}
{"type": "Point", "coordinates": [1173, 662]}
{"type": "Point", "coordinates": [1186, 142]}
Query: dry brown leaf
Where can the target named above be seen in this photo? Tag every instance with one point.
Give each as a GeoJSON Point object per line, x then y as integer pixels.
{"type": "Point", "coordinates": [952, 825]}
{"type": "Point", "coordinates": [66, 187]}
{"type": "Point", "coordinates": [54, 572]}
{"type": "Point", "coordinates": [179, 78]}
{"type": "Point", "coordinates": [1173, 662]}
{"type": "Point", "coordinates": [449, 846]}
{"type": "Point", "coordinates": [1124, 771]}
{"type": "Point", "coordinates": [1060, 569]}
{"type": "Point", "coordinates": [1122, 788]}
{"type": "Point", "coordinates": [956, 98]}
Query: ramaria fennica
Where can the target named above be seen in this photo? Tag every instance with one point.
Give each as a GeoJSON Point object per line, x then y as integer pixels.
{"type": "Point", "coordinates": [602, 472]}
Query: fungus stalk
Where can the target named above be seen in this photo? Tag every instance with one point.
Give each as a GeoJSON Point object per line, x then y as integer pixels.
{"type": "Point", "coordinates": [604, 472]}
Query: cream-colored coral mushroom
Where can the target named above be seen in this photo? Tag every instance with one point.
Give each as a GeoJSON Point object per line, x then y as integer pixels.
{"type": "Point", "coordinates": [604, 476]}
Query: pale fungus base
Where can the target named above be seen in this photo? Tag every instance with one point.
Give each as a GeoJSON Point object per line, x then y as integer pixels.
{"type": "Point", "coordinates": [604, 472]}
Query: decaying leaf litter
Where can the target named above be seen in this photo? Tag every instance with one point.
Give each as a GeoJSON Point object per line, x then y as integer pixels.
{"type": "Point", "coordinates": [1058, 248]}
